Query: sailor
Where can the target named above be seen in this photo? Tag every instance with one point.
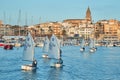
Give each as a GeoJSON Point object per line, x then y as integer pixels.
{"type": "Point", "coordinates": [83, 48]}
{"type": "Point", "coordinates": [60, 53]}
{"type": "Point", "coordinates": [34, 64]}
{"type": "Point", "coordinates": [60, 61]}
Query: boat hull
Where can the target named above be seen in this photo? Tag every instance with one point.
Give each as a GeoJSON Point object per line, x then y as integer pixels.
{"type": "Point", "coordinates": [2, 44]}
{"type": "Point", "coordinates": [39, 45]}
{"type": "Point", "coordinates": [81, 49]}
{"type": "Point", "coordinates": [8, 47]}
{"type": "Point", "coordinates": [45, 56]}
{"type": "Point", "coordinates": [57, 65]}
{"type": "Point", "coordinates": [27, 67]}
{"type": "Point", "coordinates": [18, 45]}
{"type": "Point", "coordinates": [92, 50]}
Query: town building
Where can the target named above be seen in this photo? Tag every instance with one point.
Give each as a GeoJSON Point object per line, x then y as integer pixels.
{"type": "Point", "coordinates": [81, 27]}
{"type": "Point", "coordinates": [109, 30]}
{"type": "Point", "coordinates": [1, 23]}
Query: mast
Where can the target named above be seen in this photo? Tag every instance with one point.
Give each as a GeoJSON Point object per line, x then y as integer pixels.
{"type": "Point", "coordinates": [32, 20]}
{"type": "Point", "coordinates": [26, 25]}
{"type": "Point", "coordinates": [4, 14]}
{"type": "Point", "coordinates": [19, 19]}
{"type": "Point", "coordinates": [26, 19]}
{"type": "Point", "coordinates": [9, 32]}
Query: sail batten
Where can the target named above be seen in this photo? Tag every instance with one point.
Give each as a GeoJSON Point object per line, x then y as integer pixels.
{"type": "Point", "coordinates": [28, 53]}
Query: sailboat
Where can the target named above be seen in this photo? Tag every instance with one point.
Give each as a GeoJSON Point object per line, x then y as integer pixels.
{"type": "Point", "coordinates": [82, 46]}
{"type": "Point", "coordinates": [92, 46]}
{"type": "Point", "coordinates": [55, 51]}
{"type": "Point", "coordinates": [28, 53]}
{"type": "Point", "coordinates": [45, 47]}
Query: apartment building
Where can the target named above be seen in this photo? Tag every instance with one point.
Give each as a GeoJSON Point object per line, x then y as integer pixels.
{"type": "Point", "coordinates": [110, 30]}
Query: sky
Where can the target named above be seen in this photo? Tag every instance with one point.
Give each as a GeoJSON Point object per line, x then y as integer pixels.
{"type": "Point", "coordinates": [30, 12]}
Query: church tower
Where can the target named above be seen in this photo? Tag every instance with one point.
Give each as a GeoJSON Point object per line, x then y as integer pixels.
{"type": "Point", "coordinates": [88, 15]}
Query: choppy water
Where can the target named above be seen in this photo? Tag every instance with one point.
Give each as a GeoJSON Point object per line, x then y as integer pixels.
{"type": "Point", "coordinates": [104, 64]}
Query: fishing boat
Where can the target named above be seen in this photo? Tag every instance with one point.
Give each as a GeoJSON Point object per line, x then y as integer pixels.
{"type": "Point", "coordinates": [55, 51]}
{"type": "Point", "coordinates": [28, 54]}
{"type": "Point", "coordinates": [82, 45]}
{"type": "Point", "coordinates": [45, 48]}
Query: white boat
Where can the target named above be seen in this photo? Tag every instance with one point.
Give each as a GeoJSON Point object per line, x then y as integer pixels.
{"type": "Point", "coordinates": [92, 46]}
{"type": "Point", "coordinates": [45, 48]}
{"type": "Point", "coordinates": [40, 44]}
{"type": "Point", "coordinates": [55, 52]}
{"type": "Point", "coordinates": [110, 44]}
{"type": "Point", "coordinates": [17, 44]}
{"type": "Point", "coordinates": [28, 54]}
{"type": "Point", "coordinates": [82, 45]}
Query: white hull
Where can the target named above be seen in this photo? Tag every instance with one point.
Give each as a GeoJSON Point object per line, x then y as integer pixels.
{"type": "Point", "coordinates": [17, 44]}
{"type": "Point", "coordinates": [45, 56]}
{"type": "Point", "coordinates": [110, 45]}
{"type": "Point", "coordinates": [81, 49]}
{"type": "Point", "coordinates": [40, 45]}
{"type": "Point", "coordinates": [57, 65]}
{"type": "Point", "coordinates": [92, 50]}
{"type": "Point", "coordinates": [27, 67]}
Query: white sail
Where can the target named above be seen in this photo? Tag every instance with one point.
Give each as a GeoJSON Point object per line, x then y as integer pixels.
{"type": "Point", "coordinates": [46, 45]}
{"type": "Point", "coordinates": [28, 53]}
{"type": "Point", "coordinates": [59, 43]}
{"type": "Point", "coordinates": [83, 43]}
{"type": "Point", "coordinates": [54, 47]}
{"type": "Point", "coordinates": [92, 44]}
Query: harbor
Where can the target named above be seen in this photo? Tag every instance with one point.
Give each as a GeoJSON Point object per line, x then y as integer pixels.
{"type": "Point", "coordinates": [59, 40]}
{"type": "Point", "coordinates": [101, 65]}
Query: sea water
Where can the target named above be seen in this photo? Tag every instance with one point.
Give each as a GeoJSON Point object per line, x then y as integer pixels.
{"type": "Point", "coordinates": [104, 64]}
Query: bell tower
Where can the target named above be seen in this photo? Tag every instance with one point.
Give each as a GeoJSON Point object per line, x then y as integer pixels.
{"type": "Point", "coordinates": [88, 15]}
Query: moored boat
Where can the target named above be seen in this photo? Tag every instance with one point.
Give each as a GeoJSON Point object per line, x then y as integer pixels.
{"type": "Point", "coordinates": [2, 44]}
{"type": "Point", "coordinates": [8, 46]}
